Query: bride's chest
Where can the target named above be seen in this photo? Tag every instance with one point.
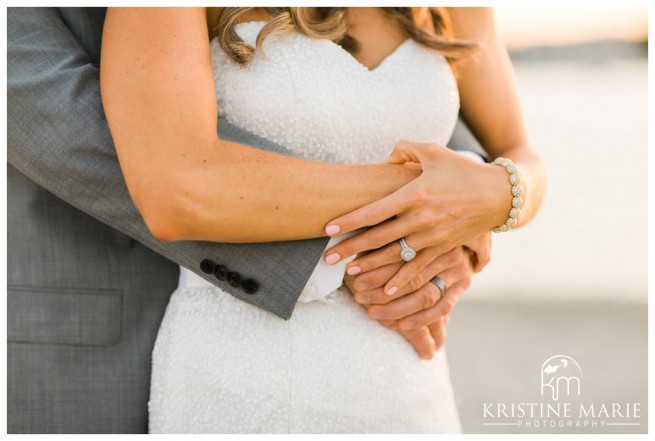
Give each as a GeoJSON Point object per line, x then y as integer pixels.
{"type": "Point", "coordinates": [315, 98]}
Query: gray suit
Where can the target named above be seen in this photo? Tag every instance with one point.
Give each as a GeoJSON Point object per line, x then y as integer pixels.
{"type": "Point", "coordinates": [85, 296]}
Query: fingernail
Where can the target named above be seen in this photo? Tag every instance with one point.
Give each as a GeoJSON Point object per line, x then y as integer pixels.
{"type": "Point", "coordinates": [332, 229]}
{"type": "Point", "coordinates": [332, 258]}
{"type": "Point", "coordinates": [361, 286]}
{"type": "Point", "coordinates": [391, 291]}
{"type": "Point", "coordinates": [354, 270]}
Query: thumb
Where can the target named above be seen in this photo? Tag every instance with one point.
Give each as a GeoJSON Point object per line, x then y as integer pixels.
{"type": "Point", "coordinates": [406, 151]}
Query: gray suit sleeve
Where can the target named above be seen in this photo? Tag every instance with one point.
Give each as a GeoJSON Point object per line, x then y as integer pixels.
{"type": "Point", "coordinates": [463, 139]}
{"type": "Point", "coordinates": [57, 135]}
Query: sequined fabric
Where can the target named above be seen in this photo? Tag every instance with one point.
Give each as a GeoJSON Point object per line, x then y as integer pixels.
{"type": "Point", "coordinates": [223, 366]}
{"type": "Point", "coordinates": [313, 97]}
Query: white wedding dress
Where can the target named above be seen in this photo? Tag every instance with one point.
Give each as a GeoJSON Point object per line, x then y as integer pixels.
{"type": "Point", "coordinates": [224, 366]}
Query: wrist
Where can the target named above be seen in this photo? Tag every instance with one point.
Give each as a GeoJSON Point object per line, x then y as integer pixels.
{"type": "Point", "coordinates": [516, 194]}
{"type": "Point", "coordinates": [499, 195]}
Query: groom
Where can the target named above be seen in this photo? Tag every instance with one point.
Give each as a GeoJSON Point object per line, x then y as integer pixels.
{"type": "Point", "coordinates": [85, 298]}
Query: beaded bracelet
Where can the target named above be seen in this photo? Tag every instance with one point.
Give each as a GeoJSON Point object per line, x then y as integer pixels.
{"type": "Point", "coordinates": [517, 191]}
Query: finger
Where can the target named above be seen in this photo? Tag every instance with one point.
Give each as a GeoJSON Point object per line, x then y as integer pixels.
{"type": "Point", "coordinates": [420, 228]}
{"type": "Point", "coordinates": [378, 297]}
{"type": "Point", "coordinates": [381, 257]}
{"type": "Point", "coordinates": [385, 233]}
{"type": "Point", "coordinates": [375, 278]}
{"type": "Point", "coordinates": [390, 324]}
{"type": "Point", "coordinates": [459, 274]}
{"type": "Point", "coordinates": [349, 281]}
{"type": "Point", "coordinates": [415, 227]}
{"type": "Point", "coordinates": [438, 332]}
{"type": "Point", "coordinates": [424, 298]}
{"type": "Point", "coordinates": [386, 255]}
{"type": "Point", "coordinates": [424, 238]}
{"type": "Point", "coordinates": [408, 151]}
{"type": "Point", "coordinates": [422, 341]}
{"type": "Point", "coordinates": [431, 315]}
{"type": "Point", "coordinates": [373, 213]}
{"type": "Point", "coordinates": [361, 298]}
{"type": "Point", "coordinates": [473, 257]}
{"type": "Point", "coordinates": [454, 265]}
{"type": "Point", "coordinates": [483, 255]}
{"type": "Point", "coordinates": [480, 248]}
{"type": "Point", "coordinates": [417, 275]}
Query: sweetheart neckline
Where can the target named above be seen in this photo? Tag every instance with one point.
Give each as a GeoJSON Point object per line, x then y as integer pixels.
{"type": "Point", "coordinates": [345, 52]}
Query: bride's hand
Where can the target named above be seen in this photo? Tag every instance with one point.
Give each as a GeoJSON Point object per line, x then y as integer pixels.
{"type": "Point", "coordinates": [478, 249]}
{"type": "Point", "coordinates": [417, 310]}
{"type": "Point", "coordinates": [453, 201]}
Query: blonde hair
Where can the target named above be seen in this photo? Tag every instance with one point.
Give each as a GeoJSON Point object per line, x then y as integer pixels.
{"type": "Point", "coordinates": [332, 24]}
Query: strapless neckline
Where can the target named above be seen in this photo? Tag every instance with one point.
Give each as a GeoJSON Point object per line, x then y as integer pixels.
{"type": "Point", "coordinates": [386, 60]}
{"type": "Point", "coordinates": [313, 97]}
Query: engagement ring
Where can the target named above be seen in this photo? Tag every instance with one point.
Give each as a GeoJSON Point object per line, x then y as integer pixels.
{"type": "Point", "coordinates": [407, 253]}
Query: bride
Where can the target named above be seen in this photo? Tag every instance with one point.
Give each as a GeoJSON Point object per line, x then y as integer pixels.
{"type": "Point", "coordinates": [342, 88]}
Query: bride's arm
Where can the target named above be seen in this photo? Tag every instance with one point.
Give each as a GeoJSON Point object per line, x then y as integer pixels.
{"type": "Point", "coordinates": [455, 200]}
{"type": "Point", "coordinates": [159, 97]}
{"type": "Point", "coordinates": [490, 103]}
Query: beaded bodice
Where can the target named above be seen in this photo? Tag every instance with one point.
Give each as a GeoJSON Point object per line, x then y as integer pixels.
{"type": "Point", "coordinates": [223, 366]}
{"type": "Point", "coordinates": [313, 97]}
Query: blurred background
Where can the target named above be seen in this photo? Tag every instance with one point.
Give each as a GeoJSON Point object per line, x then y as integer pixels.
{"type": "Point", "coordinates": [573, 282]}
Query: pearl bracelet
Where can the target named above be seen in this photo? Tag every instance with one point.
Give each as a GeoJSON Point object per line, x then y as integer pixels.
{"type": "Point", "coordinates": [517, 191]}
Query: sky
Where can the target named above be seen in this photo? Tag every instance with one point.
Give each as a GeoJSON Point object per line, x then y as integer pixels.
{"type": "Point", "coordinates": [529, 26]}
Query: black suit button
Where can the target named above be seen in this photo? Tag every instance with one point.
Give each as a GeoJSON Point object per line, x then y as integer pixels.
{"type": "Point", "coordinates": [234, 279]}
{"type": "Point", "coordinates": [221, 272]}
{"type": "Point", "coordinates": [207, 266]}
{"type": "Point", "coordinates": [250, 286]}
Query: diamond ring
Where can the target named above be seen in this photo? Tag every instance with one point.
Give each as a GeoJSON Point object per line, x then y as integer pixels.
{"type": "Point", "coordinates": [438, 281]}
{"type": "Point", "coordinates": [407, 253]}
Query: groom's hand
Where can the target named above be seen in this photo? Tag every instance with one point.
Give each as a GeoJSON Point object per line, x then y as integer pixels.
{"type": "Point", "coordinates": [417, 310]}
{"type": "Point", "coordinates": [425, 340]}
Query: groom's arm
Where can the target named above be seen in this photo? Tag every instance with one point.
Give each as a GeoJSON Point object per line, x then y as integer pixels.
{"type": "Point", "coordinates": [57, 135]}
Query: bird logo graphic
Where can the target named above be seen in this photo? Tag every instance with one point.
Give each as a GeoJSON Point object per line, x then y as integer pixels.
{"type": "Point", "coordinates": [560, 374]}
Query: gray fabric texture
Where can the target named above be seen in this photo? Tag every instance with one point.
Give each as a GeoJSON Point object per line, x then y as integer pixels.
{"type": "Point", "coordinates": [59, 138]}
{"type": "Point", "coordinates": [85, 296]}
{"type": "Point", "coordinates": [84, 303]}
{"type": "Point", "coordinates": [84, 300]}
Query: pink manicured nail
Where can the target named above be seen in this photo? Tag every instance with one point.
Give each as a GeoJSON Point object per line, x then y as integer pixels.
{"type": "Point", "coordinates": [354, 270]}
{"type": "Point", "coordinates": [332, 229]}
{"type": "Point", "coordinates": [332, 258]}
{"type": "Point", "coordinates": [391, 291]}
